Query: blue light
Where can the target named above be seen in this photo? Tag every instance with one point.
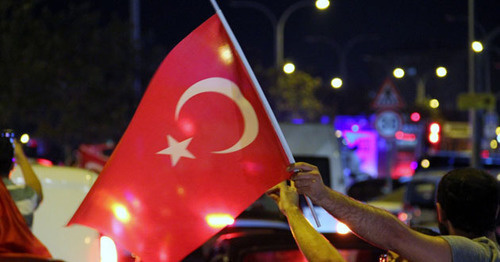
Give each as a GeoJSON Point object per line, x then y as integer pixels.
{"type": "Point", "coordinates": [355, 128]}
{"type": "Point", "coordinates": [324, 120]}
{"type": "Point", "coordinates": [298, 121]}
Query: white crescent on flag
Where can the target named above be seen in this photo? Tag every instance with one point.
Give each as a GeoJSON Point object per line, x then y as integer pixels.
{"type": "Point", "coordinates": [229, 89]}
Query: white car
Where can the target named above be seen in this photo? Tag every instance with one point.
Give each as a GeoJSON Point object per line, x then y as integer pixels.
{"type": "Point", "coordinates": [64, 188]}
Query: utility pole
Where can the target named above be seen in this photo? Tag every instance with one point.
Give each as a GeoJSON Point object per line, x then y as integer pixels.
{"type": "Point", "coordinates": [474, 114]}
{"type": "Point", "coordinates": [135, 40]}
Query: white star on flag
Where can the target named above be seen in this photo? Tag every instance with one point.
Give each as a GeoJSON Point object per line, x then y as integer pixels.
{"type": "Point", "coordinates": [177, 150]}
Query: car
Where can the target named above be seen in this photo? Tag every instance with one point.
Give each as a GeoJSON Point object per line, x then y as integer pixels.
{"type": "Point", "coordinates": [250, 240]}
{"type": "Point", "coordinates": [419, 198]}
{"type": "Point", "coordinates": [63, 188]}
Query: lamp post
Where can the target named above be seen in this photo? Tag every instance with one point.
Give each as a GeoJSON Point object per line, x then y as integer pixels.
{"type": "Point", "coordinates": [420, 98]}
{"type": "Point", "coordinates": [278, 23]}
{"type": "Point", "coordinates": [342, 51]}
{"type": "Point", "coordinates": [135, 40]}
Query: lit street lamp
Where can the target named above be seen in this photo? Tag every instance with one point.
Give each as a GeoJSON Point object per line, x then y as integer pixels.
{"type": "Point", "coordinates": [289, 68]}
{"type": "Point", "coordinates": [477, 46]}
{"type": "Point", "coordinates": [336, 82]}
{"type": "Point", "coordinates": [398, 73]}
{"type": "Point", "coordinates": [420, 98]}
{"type": "Point", "coordinates": [279, 23]}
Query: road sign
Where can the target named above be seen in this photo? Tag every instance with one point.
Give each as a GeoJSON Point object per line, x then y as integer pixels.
{"type": "Point", "coordinates": [388, 97]}
{"type": "Point", "coordinates": [476, 101]}
{"type": "Point", "coordinates": [387, 123]}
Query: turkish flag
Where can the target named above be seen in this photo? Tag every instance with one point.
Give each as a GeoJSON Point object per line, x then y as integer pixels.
{"type": "Point", "coordinates": [200, 148]}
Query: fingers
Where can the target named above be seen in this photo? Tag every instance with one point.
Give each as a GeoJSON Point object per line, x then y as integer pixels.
{"type": "Point", "coordinates": [301, 166]}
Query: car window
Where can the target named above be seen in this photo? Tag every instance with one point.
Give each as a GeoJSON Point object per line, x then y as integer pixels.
{"type": "Point", "coordinates": [425, 191]}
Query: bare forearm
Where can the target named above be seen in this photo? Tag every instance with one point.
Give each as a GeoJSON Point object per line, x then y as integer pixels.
{"type": "Point", "coordinates": [29, 175]}
{"type": "Point", "coordinates": [366, 221]}
{"type": "Point", "coordinates": [313, 244]}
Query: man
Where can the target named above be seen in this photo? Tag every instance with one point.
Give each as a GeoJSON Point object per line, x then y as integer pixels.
{"type": "Point", "coordinates": [27, 197]}
{"type": "Point", "coordinates": [467, 205]}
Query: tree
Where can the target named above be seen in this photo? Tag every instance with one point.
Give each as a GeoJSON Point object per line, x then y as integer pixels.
{"type": "Point", "coordinates": [292, 95]}
{"type": "Point", "coordinates": [66, 72]}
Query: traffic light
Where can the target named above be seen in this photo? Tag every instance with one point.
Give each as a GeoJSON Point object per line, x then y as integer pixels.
{"type": "Point", "coordinates": [434, 133]}
{"type": "Point", "coordinates": [415, 116]}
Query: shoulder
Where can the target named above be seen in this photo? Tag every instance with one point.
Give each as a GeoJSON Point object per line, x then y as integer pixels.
{"type": "Point", "coordinates": [478, 249]}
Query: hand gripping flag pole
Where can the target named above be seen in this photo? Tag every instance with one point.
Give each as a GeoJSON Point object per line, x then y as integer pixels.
{"type": "Point", "coordinates": [269, 111]}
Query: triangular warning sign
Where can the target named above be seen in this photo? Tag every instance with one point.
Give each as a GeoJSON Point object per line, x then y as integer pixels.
{"type": "Point", "coordinates": [388, 97]}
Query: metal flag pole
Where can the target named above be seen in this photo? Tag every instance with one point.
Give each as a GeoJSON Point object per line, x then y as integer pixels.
{"type": "Point", "coordinates": [267, 107]}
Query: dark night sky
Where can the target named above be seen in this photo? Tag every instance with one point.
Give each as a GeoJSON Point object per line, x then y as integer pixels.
{"type": "Point", "coordinates": [420, 34]}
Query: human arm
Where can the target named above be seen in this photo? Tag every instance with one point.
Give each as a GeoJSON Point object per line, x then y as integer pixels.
{"type": "Point", "coordinates": [312, 244]}
{"type": "Point", "coordinates": [375, 225]}
{"type": "Point", "coordinates": [29, 175]}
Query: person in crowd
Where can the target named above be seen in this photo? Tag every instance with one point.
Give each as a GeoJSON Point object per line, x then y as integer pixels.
{"type": "Point", "coordinates": [466, 204]}
{"type": "Point", "coordinates": [28, 196]}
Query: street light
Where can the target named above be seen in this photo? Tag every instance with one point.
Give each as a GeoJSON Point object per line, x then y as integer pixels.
{"type": "Point", "coordinates": [420, 98]}
{"type": "Point", "coordinates": [289, 68]}
{"type": "Point", "coordinates": [398, 73]}
{"type": "Point", "coordinates": [477, 46]}
{"type": "Point", "coordinates": [279, 23]}
{"type": "Point", "coordinates": [441, 71]}
{"type": "Point", "coordinates": [336, 82]}
{"type": "Point", "coordinates": [434, 103]}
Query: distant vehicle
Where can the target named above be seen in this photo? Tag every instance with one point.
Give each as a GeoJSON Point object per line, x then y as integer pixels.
{"type": "Point", "coordinates": [94, 156]}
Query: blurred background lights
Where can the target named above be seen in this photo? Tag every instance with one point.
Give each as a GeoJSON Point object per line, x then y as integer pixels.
{"type": "Point", "coordinates": [289, 68]}
{"type": "Point", "coordinates": [441, 71]}
{"type": "Point", "coordinates": [493, 144]}
{"type": "Point", "coordinates": [322, 4]}
{"type": "Point", "coordinates": [219, 220]}
{"type": "Point", "coordinates": [342, 228]}
{"type": "Point", "coordinates": [336, 82]}
{"type": "Point", "coordinates": [398, 73]}
{"type": "Point", "coordinates": [425, 163]}
{"type": "Point", "coordinates": [434, 103]}
{"type": "Point", "coordinates": [25, 138]}
{"type": "Point", "coordinates": [415, 116]}
{"type": "Point", "coordinates": [434, 128]}
{"type": "Point", "coordinates": [108, 249]}
{"type": "Point", "coordinates": [477, 46]}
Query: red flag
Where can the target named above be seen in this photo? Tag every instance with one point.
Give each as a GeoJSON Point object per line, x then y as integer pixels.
{"type": "Point", "coordinates": [199, 144]}
{"type": "Point", "coordinates": [16, 239]}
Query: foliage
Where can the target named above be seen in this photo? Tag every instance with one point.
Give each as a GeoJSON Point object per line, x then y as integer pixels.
{"type": "Point", "coordinates": [293, 95]}
{"type": "Point", "coordinates": [66, 73]}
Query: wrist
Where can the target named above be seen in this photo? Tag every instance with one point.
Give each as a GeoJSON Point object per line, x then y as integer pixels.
{"type": "Point", "coordinates": [290, 210]}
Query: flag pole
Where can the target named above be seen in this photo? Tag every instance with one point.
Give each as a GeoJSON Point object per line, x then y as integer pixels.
{"type": "Point", "coordinates": [267, 107]}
